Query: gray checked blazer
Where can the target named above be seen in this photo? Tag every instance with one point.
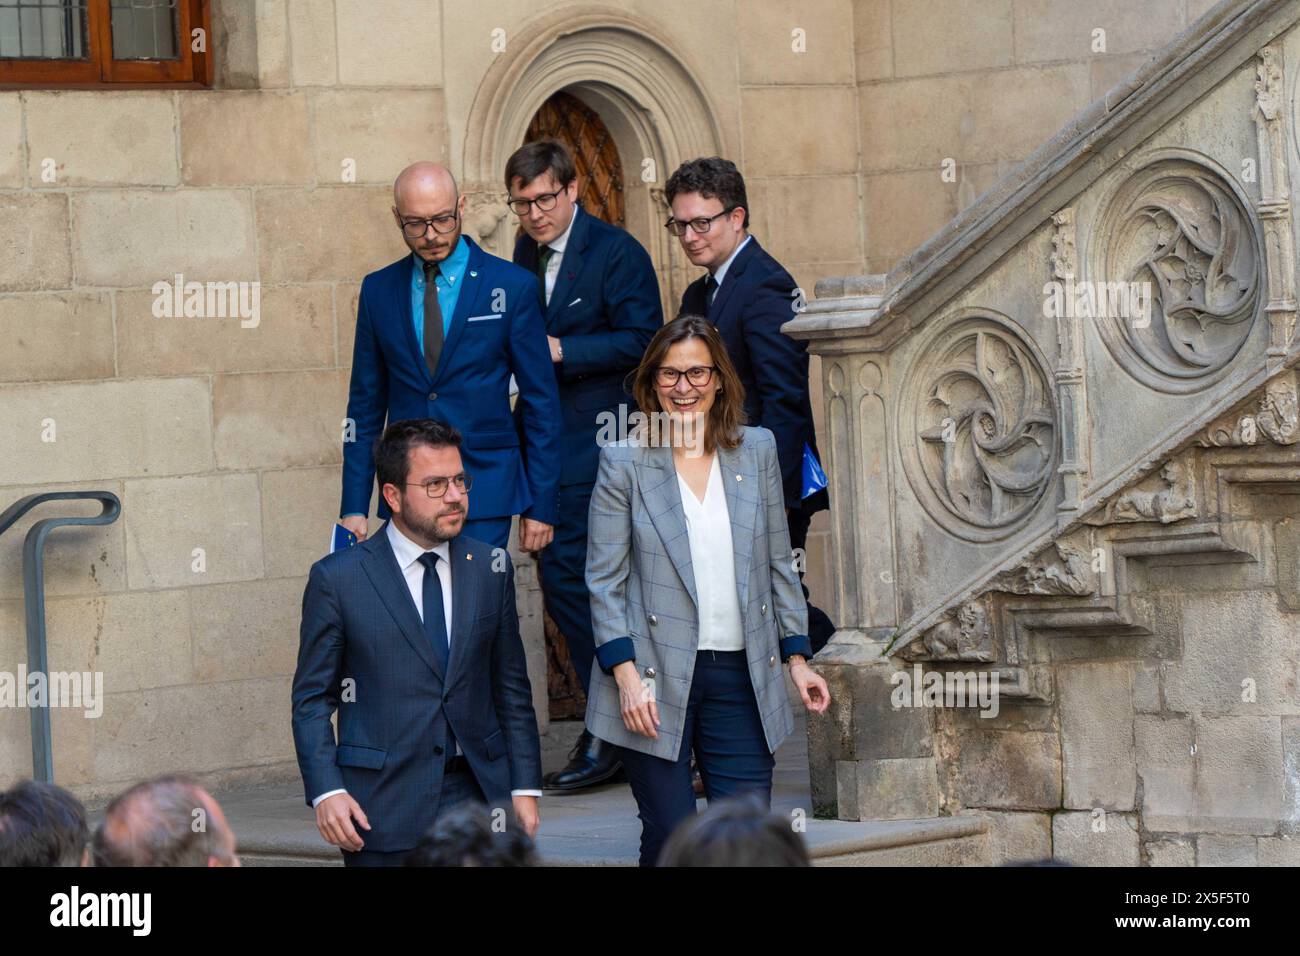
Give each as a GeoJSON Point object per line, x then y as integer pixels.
{"type": "Point", "coordinates": [643, 600]}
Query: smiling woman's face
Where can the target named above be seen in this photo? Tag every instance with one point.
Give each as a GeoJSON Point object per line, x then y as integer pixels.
{"type": "Point", "coordinates": [685, 400]}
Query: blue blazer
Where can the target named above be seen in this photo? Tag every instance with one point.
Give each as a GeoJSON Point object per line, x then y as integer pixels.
{"type": "Point", "coordinates": [497, 330]}
{"type": "Point", "coordinates": [359, 623]}
{"type": "Point", "coordinates": [756, 298]}
{"type": "Point", "coordinates": [604, 308]}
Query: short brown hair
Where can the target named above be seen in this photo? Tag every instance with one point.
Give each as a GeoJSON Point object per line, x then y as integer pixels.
{"type": "Point", "coordinates": [532, 159]}
{"type": "Point", "coordinates": [728, 412]}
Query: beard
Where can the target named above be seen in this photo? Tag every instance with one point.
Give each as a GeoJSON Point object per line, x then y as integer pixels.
{"type": "Point", "coordinates": [429, 527]}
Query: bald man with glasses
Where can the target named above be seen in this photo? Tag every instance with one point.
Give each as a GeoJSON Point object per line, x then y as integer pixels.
{"type": "Point", "coordinates": [439, 334]}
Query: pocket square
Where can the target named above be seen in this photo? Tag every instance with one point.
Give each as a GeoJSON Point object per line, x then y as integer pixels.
{"type": "Point", "coordinates": [573, 303]}
{"type": "Point", "coordinates": [484, 318]}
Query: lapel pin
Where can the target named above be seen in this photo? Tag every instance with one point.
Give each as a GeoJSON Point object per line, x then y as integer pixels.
{"type": "Point", "coordinates": [473, 274]}
{"type": "Point", "coordinates": [740, 478]}
{"type": "Point", "coordinates": [469, 557]}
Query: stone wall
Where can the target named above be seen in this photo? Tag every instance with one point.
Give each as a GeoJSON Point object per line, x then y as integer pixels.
{"type": "Point", "coordinates": [226, 438]}
{"type": "Point", "coordinates": [979, 84]}
{"type": "Point", "coordinates": [1092, 506]}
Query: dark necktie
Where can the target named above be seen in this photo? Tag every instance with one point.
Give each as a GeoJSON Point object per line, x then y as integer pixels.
{"type": "Point", "coordinates": [544, 254]}
{"type": "Point", "coordinates": [710, 290]}
{"type": "Point", "coordinates": [435, 615]}
{"type": "Point", "coordinates": [435, 626]}
{"type": "Point", "coordinates": [432, 317]}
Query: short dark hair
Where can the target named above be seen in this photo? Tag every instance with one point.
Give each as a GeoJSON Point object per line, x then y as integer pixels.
{"type": "Point", "coordinates": [392, 450]}
{"type": "Point", "coordinates": [41, 825]}
{"type": "Point", "coordinates": [532, 159]}
{"type": "Point", "coordinates": [739, 831]}
{"type": "Point", "coordinates": [713, 178]}
{"type": "Point", "coordinates": [464, 836]}
{"type": "Point", "coordinates": [152, 824]}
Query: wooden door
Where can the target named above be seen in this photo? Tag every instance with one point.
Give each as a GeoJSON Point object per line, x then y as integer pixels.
{"type": "Point", "coordinates": [600, 170]}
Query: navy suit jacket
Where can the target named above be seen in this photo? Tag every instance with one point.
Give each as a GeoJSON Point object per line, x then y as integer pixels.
{"type": "Point", "coordinates": [604, 309]}
{"type": "Point", "coordinates": [755, 299]}
{"type": "Point", "coordinates": [359, 623]}
{"type": "Point", "coordinates": [497, 329]}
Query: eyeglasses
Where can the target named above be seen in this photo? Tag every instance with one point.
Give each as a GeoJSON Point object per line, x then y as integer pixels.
{"type": "Point", "coordinates": [701, 224]}
{"type": "Point", "coordinates": [699, 376]}
{"type": "Point", "coordinates": [415, 228]}
{"type": "Point", "coordinates": [437, 487]}
{"type": "Point", "coordinates": [545, 202]}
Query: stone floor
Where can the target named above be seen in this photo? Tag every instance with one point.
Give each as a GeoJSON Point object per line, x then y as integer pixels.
{"type": "Point", "coordinates": [590, 828]}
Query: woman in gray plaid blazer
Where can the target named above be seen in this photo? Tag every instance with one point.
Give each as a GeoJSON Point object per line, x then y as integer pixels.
{"type": "Point", "coordinates": [695, 601]}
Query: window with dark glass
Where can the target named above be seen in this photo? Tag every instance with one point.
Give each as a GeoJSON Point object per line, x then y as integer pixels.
{"type": "Point", "coordinates": [87, 43]}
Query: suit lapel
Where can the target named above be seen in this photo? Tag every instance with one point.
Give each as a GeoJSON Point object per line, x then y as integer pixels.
{"type": "Point", "coordinates": [570, 263]}
{"type": "Point", "coordinates": [732, 278]}
{"type": "Point", "coordinates": [663, 499]}
{"type": "Point", "coordinates": [464, 594]}
{"type": "Point", "coordinates": [403, 294]}
{"type": "Point", "coordinates": [380, 565]}
{"type": "Point", "coordinates": [740, 481]}
{"type": "Point", "coordinates": [466, 300]}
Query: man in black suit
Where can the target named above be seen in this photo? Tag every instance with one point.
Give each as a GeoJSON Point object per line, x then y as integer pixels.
{"type": "Point", "coordinates": [412, 637]}
{"type": "Point", "coordinates": [601, 300]}
{"type": "Point", "coordinates": [748, 296]}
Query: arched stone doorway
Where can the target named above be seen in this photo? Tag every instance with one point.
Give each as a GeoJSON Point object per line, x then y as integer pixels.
{"type": "Point", "coordinates": [623, 69]}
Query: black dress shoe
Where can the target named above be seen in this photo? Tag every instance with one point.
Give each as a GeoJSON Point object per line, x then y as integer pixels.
{"type": "Point", "coordinates": [591, 761]}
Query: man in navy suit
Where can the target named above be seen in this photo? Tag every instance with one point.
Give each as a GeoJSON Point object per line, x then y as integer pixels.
{"type": "Point", "coordinates": [748, 296]}
{"type": "Point", "coordinates": [602, 307]}
{"type": "Point", "coordinates": [412, 637]}
{"type": "Point", "coordinates": [439, 333]}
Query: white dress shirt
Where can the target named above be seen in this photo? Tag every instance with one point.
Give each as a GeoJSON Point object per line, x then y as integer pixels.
{"type": "Point", "coordinates": [557, 253]}
{"type": "Point", "coordinates": [708, 527]}
{"type": "Point", "coordinates": [408, 555]}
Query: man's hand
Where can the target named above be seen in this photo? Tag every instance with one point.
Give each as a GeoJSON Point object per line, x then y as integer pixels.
{"type": "Point", "coordinates": [334, 816]}
{"type": "Point", "coordinates": [527, 815]}
{"type": "Point", "coordinates": [357, 524]}
{"type": "Point", "coordinates": [812, 686]}
{"type": "Point", "coordinates": [534, 535]}
{"type": "Point", "coordinates": [556, 355]}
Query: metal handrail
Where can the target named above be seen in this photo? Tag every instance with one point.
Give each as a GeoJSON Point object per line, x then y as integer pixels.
{"type": "Point", "coordinates": [34, 598]}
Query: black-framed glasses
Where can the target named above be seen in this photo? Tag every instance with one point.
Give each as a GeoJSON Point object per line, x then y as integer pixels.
{"type": "Point", "coordinates": [699, 375]}
{"type": "Point", "coordinates": [700, 224]}
{"type": "Point", "coordinates": [437, 487]}
{"type": "Point", "coordinates": [415, 228]}
{"type": "Point", "coordinates": [545, 202]}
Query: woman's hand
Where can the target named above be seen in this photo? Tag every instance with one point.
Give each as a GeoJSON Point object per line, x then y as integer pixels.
{"type": "Point", "coordinates": [636, 700]}
{"type": "Point", "coordinates": [812, 686]}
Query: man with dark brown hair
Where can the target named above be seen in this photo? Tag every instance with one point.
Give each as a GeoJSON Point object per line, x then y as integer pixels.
{"type": "Point", "coordinates": [601, 301]}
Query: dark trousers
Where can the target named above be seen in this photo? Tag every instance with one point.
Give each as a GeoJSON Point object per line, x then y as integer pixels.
{"type": "Point", "coordinates": [725, 731]}
{"type": "Point", "coordinates": [491, 531]}
{"type": "Point", "coordinates": [458, 786]}
{"type": "Point", "coordinates": [564, 583]}
{"type": "Point", "coordinates": [820, 627]}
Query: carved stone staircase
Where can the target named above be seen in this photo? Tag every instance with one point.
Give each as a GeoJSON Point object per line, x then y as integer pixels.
{"type": "Point", "coordinates": [999, 512]}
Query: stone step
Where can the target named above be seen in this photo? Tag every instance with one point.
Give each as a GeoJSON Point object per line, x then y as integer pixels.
{"type": "Point", "coordinates": [599, 827]}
